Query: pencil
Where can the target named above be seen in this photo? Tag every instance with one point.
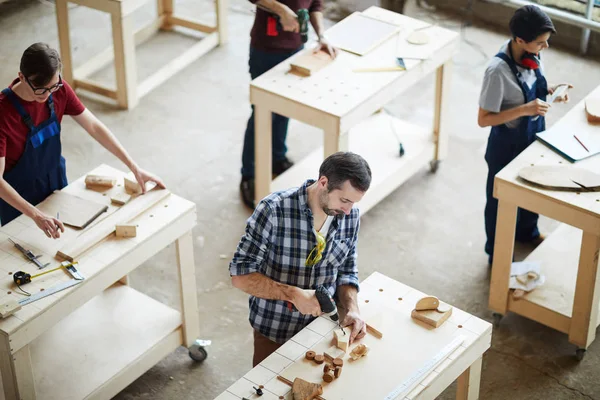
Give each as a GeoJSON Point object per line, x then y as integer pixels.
{"type": "Point", "coordinates": [583, 145]}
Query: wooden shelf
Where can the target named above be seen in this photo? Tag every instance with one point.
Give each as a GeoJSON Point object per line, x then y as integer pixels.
{"type": "Point", "coordinates": [70, 360]}
{"type": "Point", "coordinates": [552, 303]}
{"type": "Point", "coordinates": [375, 140]}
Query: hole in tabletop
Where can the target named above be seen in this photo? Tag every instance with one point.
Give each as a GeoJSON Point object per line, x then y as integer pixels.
{"type": "Point", "coordinates": [366, 301]}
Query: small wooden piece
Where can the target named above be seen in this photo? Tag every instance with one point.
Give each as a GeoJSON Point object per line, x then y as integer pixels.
{"type": "Point", "coordinates": [337, 372]}
{"type": "Point", "coordinates": [126, 231]}
{"type": "Point", "coordinates": [131, 186]}
{"type": "Point", "coordinates": [359, 351]}
{"type": "Point", "coordinates": [333, 352]}
{"type": "Point", "coordinates": [328, 376]}
{"type": "Point", "coordinates": [310, 62]}
{"type": "Point", "coordinates": [373, 331]}
{"type": "Point", "coordinates": [100, 181]}
{"type": "Point", "coordinates": [432, 317]}
{"type": "Point", "coordinates": [327, 368]}
{"type": "Point", "coordinates": [74, 211]}
{"type": "Point", "coordinates": [338, 362]}
{"type": "Point", "coordinates": [427, 303]}
{"type": "Point", "coordinates": [592, 109]}
{"type": "Point", "coordinates": [120, 199]}
{"type": "Point", "coordinates": [9, 308]}
{"type": "Point", "coordinates": [303, 390]}
{"type": "Point", "coordinates": [319, 359]}
{"type": "Point", "coordinates": [342, 338]}
{"type": "Point", "coordinates": [418, 38]}
{"type": "Point", "coordinates": [310, 355]}
{"type": "Point", "coordinates": [518, 294]}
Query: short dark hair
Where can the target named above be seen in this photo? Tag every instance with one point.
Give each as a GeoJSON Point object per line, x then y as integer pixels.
{"type": "Point", "coordinates": [39, 64]}
{"type": "Point", "coordinates": [346, 166]}
{"type": "Point", "coordinates": [529, 22]}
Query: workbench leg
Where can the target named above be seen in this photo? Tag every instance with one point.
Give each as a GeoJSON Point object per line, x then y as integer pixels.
{"type": "Point", "coordinates": [503, 255]}
{"type": "Point", "coordinates": [333, 139]}
{"type": "Point", "coordinates": [124, 280]}
{"type": "Point", "coordinates": [442, 93]}
{"type": "Point", "coordinates": [467, 385]}
{"type": "Point", "coordinates": [263, 149]}
{"type": "Point", "coordinates": [124, 47]}
{"type": "Point", "coordinates": [62, 20]}
{"type": "Point", "coordinates": [17, 374]}
{"type": "Point", "coordinates": [187, 285]}
{"type": "Point", "coordinates": [165, 8]}
{"type": "Point", "coordinates": [585, 304]}
{"type": "Point", "coordinates": [222, 21]}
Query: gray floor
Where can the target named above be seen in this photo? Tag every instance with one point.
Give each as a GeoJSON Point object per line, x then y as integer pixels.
{"type": "Point", "coordinates": [427, 234]}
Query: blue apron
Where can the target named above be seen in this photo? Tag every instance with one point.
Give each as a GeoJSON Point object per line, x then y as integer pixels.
{"type": "Point", "coordinates": [41, 169]}
{"type": "Point", "coordinates": [504, 145]}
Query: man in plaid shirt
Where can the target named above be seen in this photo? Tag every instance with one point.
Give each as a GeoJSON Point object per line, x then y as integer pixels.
{"type": "Point", "coordinates": [297, 240]}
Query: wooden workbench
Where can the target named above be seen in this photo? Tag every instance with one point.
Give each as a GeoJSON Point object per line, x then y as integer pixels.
{"type": "Point", "coordinates": [405, 347]}
{"type": "Point", "coordinates": [568, 300]}
{"type": "Point", "coordinates": [342, 103]}
{"type": "Point", "coordinates": [94, 339]}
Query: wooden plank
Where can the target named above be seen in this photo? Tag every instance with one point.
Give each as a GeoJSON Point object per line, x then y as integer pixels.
{"type": "Point", "coordinates": [111, 7]}
{"type": "Point", "coordinates": [441, 106]}
{"type": "Point", "coordinates": [64, 39]}
{"type": "Point", "coordinates": [24, 373]}
{"type": "Point", "coordinates": [125, 66]}
{"type": "Point", "coordinates": [309, 62]}
{"type": "Point", "coordinates": [187, 283]}
{"type": "Point", "coordinates": [221, 9]}
{"type": "Point", "coordinates": [331, 140]}
{"type": "Point", "coordinates": [467, 387]}
{"type": "Point", "coordinates": [167, 11]}
{"type": "Point", "coordinates": [97, 88]}
{"type": "Point", "coordinates": [81, 342]}
{"type": "Point", "coordinates": [503, 255]}
{"type": "Point", "coordinates": [125, 214]}
{"type": "Point", "coordinates": [543, 315]}
{"type": "Point", "coordinates": [587, 293]}
{"type": "Point", "coordinates": [178, 64]}
{"type": "Point", "coordinates": [74, 211]}
{"type": "Point", "coordinates": [191, 24]}
{"type": "Point", "coordinates": [262, 152]}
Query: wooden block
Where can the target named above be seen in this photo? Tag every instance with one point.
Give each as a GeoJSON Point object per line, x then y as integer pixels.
{"type": "Point", "coordinates": [338, 362]}
{"type": "Point", "coordinates": [431, 317]}
{"type": "Point", "coordinates": [319, 359]}
{"type": "Point", "coordinates": [303, 390]}
{"type": "Point", "coordinates": [342, 339]}
{"type": "Point", "coordinates": [327, 368]}
{"type": "Point", "coordinates": [592, 109]}
{"type": "Point", "coordinates": [333, 352]}
{"type": "Point", "coordinates": [74, 211]}
{"type": "Point", "coordinates": [359, 351]}
{"type": "Point", "coordinates": [337, 372]}
{"type": "Point", "coordinates": [522, 279]}
{"type": "Point", "coordinates": [374, 332]}
{"type": "Point", "coordinates": [131, 186]}
{"type": "Point", "coordinates": [120, 199]}
{"type": "Point", "coordinates": [310, 62]}
{"type": "Point", "coordinates": [126, 231]}
{"type": "Point", "coordinates": [310, 355]}
{"type": "Point", "coordinates": [427, 303]}
{"type": "Point", "coordinates": [328, 376]}
{"type": "Point", "coordinates": [9, 308]}
{"type": "Point", "coordinates": [518, 294]}
{"type": "Point", "coordinates": [100, 181]}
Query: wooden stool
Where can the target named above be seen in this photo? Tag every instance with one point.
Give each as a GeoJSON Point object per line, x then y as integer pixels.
{"type": "Point", "coordinates": [128, 92]}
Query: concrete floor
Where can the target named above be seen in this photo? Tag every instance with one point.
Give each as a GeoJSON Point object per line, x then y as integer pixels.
{"type": "Point", "coordinates": [427, 234]}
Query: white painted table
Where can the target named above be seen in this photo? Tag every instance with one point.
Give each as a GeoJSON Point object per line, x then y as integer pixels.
{"type": "Point", "coordinates": [94, 339]}
{"type": "Point", "coordinates": [405, 347]}
{"type": "Point", "coordinates": [343, 102]}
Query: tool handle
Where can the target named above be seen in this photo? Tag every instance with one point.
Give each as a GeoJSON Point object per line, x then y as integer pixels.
{"type": "Point", "coordinates": [325, 300]}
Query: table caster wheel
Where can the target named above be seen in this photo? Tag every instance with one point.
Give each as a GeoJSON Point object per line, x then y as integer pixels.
{"type": "Point", "coordinates": [197, 353]}
{"type": "Point", "coordinates": [401, 150]}
{"type": "Point", "coordinates": [434, 165]}
{"type": "Point", "coordinates": [579, 353]}
{"type": "Point", "coordinates": [497, 318]}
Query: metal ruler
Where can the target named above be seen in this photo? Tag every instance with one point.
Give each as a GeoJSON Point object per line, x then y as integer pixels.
{"type": "Point", "coordinates": [50, 291]}
{"type": "Point", "coordinates": [418, 375]}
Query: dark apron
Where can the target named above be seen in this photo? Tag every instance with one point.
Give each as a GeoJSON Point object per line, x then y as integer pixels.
{"type": "Point", "coordinates": [504, 145]}
{"type": "Point", "coordinates": [41, 169]}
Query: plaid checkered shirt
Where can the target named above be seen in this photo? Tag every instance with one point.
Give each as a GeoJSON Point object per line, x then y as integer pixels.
{"type": "Point", "coordinates": [279, 236]}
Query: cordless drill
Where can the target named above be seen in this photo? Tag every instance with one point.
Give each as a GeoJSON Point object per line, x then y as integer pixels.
{"type": "Point", "coordinates": [328, 307]}
{"type": "Point", "coordinates": [274, 23]}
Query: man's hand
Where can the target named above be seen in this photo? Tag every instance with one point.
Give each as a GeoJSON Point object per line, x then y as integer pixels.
{"type": "Point", "coordinates": [143, 176]}
{"type": "Point", "coordinates": [289, 20]}
{"type": "Point", "coordinates": [52, 227]}
{"type": "Point", "coordinates": [327, 48]}
{"type": "Point", "coordinates": [306, 302]}
{"type": "Point", "coordinates": [565, 96]}
{"type": "Point", "coordinates": [359, 328]}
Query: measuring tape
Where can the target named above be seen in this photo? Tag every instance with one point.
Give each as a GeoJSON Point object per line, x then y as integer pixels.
{"type": "Point", "coordinates": [429, 365]}
{"type": "Point", "coordinates": [50, 291]}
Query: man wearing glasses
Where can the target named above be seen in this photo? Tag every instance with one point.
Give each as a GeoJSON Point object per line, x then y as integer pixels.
{"type": "Point", "coordinates": [297, 240]}
{"type": "Point", "coordinates": [31, 164]}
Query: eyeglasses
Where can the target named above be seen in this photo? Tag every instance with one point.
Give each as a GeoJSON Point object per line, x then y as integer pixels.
{"type": "Point", "coordinates": [51, 89]}
{"type": "Point", "coordinates": [316, 254]}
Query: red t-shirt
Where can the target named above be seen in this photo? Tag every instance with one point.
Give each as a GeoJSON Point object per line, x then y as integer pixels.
{"type": "Point", "coordinates": [13, 131]}
{"type": "Point", "coordinates": [284, 41]}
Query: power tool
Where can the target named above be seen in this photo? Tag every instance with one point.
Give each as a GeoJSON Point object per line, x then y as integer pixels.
{"type": "Point", "coordinates": [274, 22]}
{"type": "Point", "coordinates": [328, 307]}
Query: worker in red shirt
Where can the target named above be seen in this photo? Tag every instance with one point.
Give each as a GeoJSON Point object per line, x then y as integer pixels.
{"type": "Point", "coordinates": [268, 47]}
{"type": "Point", "coordinates": [31, 164]}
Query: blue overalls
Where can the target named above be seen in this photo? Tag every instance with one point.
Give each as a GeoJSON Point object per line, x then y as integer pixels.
{"type": "Point", "coordinates": [504, 145]}
{"type": "Point", "coordinates": [41, 169]}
